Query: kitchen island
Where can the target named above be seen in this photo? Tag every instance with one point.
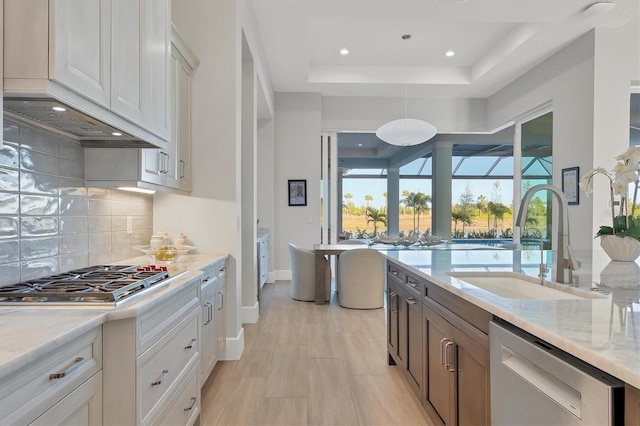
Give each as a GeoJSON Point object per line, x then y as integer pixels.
{"type": "Point", "coordinates": [601, 330]}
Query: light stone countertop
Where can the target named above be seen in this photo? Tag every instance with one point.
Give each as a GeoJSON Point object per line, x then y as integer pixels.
{"type": "Point", "coordinates": [30, 332]}
{"type": "Point", "coordinates": [603, 331]}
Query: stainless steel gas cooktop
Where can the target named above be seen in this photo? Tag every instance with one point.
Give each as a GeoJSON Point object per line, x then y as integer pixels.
{"type": "Point", "coordinates": [103, 285]}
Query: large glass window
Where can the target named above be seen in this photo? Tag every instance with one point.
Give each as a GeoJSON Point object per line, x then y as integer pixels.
{"type": "Point", "coordinates": [537, 167]}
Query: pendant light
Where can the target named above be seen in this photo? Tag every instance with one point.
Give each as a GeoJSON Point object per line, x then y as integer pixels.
{"type": "Point", "coordinates": [406, 131]}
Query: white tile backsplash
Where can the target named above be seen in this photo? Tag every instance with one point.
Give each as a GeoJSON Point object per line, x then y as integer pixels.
{"type": "Point", "coordinates": [9, 180]}
{"type": "Point", "coordinates": [49, 221]}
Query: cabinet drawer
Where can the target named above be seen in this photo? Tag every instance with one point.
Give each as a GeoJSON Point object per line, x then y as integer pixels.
{"type": "Point", "coordinates": [414, 285]}
{"type": "Point", "coordinates": [395, 273]}
{"type": "Point", "coordinates": [467, 311]}
{"type": "Point", "coordinates": [29, 392]}
{"type": "Point", "coordinates": [160, 366]}
{"type": "Point", "coordinates": [185, 407]}
{"type": "Point", "coordinates": [156, 322]}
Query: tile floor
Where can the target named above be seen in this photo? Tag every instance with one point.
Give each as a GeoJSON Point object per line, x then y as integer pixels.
{"type": "Point", "coordinates": [307, 364]}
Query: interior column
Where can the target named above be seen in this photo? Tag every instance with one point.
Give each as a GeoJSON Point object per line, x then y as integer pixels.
{"type": "Point", "coordinates": [441, 189]}
{"type": "Point", "coordinates": [393, 201]}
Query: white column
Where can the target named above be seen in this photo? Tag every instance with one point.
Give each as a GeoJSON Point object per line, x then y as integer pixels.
{"type": "Point", "coordinates": [441, 189]}
{"type": "Point", "coordinates": [393, 201]}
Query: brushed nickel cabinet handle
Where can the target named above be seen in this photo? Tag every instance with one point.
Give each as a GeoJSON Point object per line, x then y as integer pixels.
{"type": "Point", "coordinates": [393, 294]}
{"type": "Point", "coordinates": [190, 345]}
{"type": "Point", "coordinates": [182, 169]}
{"type": "Point", "coordinates": [442, 342]}
{"type": "Point", "coordinates": [412, 301]}
{"type": "Point", "coordinates": [164, 375]}
{"type": "Point", "coordinates": [64, 373]}
{"type": "Point", "coordinates": [193, 403]}
{"type": "Point", "coordinates": [446, 357]}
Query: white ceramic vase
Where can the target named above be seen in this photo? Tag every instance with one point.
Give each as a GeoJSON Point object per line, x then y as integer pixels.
{"type": "Point", "coordinates": [625, 249]}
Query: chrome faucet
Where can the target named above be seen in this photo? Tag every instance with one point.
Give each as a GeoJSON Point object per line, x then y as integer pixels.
{"type": "Point", "coordinates": [543, 269]}
{"type": "Point", "coordinates": [565, 261]}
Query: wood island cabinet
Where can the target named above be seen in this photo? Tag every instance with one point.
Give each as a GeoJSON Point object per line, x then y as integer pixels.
{"type": "Point", "coordinates": [441, 343]}
{"type": "Point", "coordinates": [405, 333]}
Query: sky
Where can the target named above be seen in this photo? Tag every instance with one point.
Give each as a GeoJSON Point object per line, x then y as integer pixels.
{"type": "Point", "coordinates": [376, 187]}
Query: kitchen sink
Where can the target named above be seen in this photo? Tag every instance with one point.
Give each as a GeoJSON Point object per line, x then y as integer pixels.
{"type": "Point", "coordinates": [512, 285]}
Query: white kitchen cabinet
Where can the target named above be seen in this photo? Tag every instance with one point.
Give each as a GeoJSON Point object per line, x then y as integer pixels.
{"type": "Point", "coordinates": [140, 46]}
{"type": "Point", "coordinates": [72, 48]}
{"type": "Point", "coordinates": [81, 53]}
{"type": "Point", "coordinates": [63, 386]}
{"type": "Point", "coordinates": [106, 58]}
{"type": "Point", "coordinates": [213, 316]}
{"type": "Point", "coordinates": [83, 406]}
{"type": "Point", "coordinates": [263, 259]}
{"type": "Point", "coordinates": [169, 167]}
{"type": "Point", "coordinates": [151, 358]}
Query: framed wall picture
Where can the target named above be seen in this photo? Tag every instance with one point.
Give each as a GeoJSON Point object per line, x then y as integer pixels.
{"type": "Point", "coordinates": [297, 192]}
{"type": "Point", "coordinates": [570, 179]}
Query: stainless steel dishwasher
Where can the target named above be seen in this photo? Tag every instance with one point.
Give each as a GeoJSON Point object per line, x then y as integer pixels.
{"type": "Point", "coordinates": [535, 383]}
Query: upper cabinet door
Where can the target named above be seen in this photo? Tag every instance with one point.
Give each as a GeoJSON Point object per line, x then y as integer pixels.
{"type": "Point", "coordinates": [79, 47]}
{"type": "Point", "coordinates": [156, 63]}
{"type": "Point", "coordinates": [126, 66]}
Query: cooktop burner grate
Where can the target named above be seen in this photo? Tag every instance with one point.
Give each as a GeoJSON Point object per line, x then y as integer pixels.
{"type": "Point", "coordinates": [102, 283]}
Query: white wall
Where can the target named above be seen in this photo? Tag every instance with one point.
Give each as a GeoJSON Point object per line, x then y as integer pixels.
{"type": "Point", "coordinates": [297, 153]}
{"type": "Point", "coordinates": [344, 113]}
{"type": "Point", "coordinates": [588, 84]}
{"type": "Point", "coordinates": [213, 30]}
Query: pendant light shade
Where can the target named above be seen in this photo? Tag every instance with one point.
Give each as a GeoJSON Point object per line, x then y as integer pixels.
{"type": "Point", "coordinates": [406, 131]}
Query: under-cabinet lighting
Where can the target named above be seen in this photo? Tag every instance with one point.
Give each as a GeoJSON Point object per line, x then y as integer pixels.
{"type": "Point", "coordinates": [116, 133]}
{"type": "Point", "coordinates": [59, 109]}
{"type": "Point", "coordinates": [134, 189]}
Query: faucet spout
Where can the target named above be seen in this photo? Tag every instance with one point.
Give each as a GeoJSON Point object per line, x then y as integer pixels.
{"type": "Point", "coordinates": [564, 259]}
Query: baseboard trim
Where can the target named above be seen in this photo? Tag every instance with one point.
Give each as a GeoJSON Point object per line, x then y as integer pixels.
{"type": "Point", "coordinates": [234, 347]}
{"type": "Point", "coordinates": [250, 314]}
{"type": "Point", "coordinates": [271, 277]}
{"type": "Point", "coordinates": [282, 275]}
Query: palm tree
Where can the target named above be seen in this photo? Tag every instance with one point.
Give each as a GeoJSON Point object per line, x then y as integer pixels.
{"type": "Point", "coordinates": [348, 197]}
{"type": "Point", "coordinates": [384, 194]}
{"type": "Point", "coordinates": [460, 215]}
{"type": "Point", "coordinates": [405, 194]}
{"type": "Point", "coordinates": [374, 215]}
{"type": "Point", "coordinates": [422, 201]}
{"type": "Point", "coordinates": [410, 201]}
{"type": "Point", "coordinates": [368, 199]}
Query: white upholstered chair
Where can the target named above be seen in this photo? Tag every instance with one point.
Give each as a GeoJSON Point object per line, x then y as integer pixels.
{"type": "Point", "coordinates": [361, 276]}
{"type": "Point", "coordinates": [303, 274]}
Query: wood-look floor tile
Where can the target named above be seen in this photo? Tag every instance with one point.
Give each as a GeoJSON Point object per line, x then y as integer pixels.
{"type": "Point", "coordinates": [329, 399]}
{"type": "Point", "coordinates": [282, 411]}
{"type": "Point", "coordinates": [288, 373]}
{"type": "Point", "coordinates": [327, 364]}
{"type": "Point", "coordinates": [376, 403]}
{"type": "Point", "coordinates": [244, 405]}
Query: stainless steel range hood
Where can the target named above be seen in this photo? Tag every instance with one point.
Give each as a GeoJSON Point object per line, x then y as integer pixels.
{"type": "Point", "coordinates": [90, 131]}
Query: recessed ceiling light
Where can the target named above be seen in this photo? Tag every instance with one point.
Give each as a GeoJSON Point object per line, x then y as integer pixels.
{"type": "Point", "coordinates": [59, 109]}
{"type": "Point", "coordinates": [450, 53]}
{"type": "Point", "coordinates": [344, 51]}
{"type": "Point", "coordinates": [116, 133]}
{"type": "Point", "coordinates": [359, 144]}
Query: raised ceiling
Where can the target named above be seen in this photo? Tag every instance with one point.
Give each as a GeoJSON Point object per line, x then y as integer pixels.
{"type": "Point", "coordinates": [495, 42]}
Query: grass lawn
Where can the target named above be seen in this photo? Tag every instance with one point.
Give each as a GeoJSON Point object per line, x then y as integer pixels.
{"type": "Point", "coordinates": [478, 223]}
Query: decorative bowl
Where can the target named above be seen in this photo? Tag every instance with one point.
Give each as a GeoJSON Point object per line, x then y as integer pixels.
{"type": "Point", "coordinates": [166, 254]}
